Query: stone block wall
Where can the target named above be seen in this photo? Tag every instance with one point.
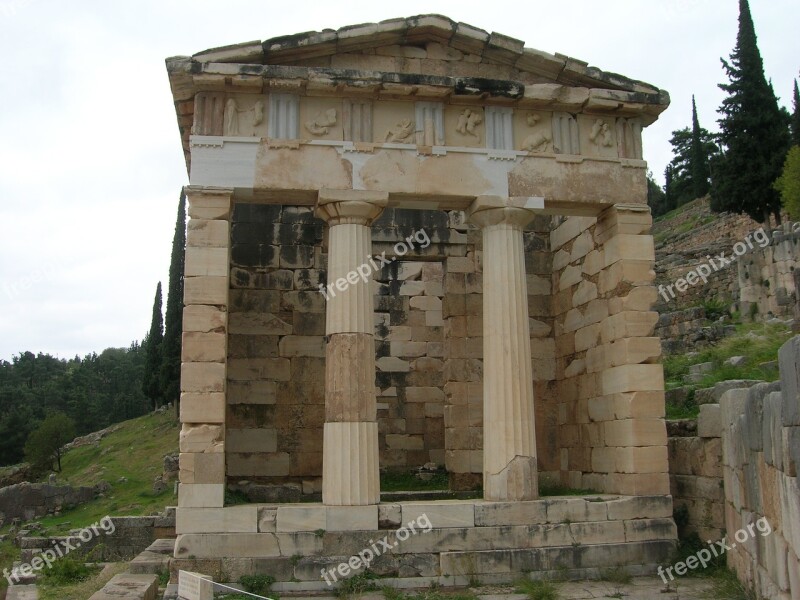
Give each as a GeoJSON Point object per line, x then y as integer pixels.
{"type": "Point", "coordinates": [765, 275]}
{"type": "Point", "coordinates": [260, 322]}
{"type": "Point", "coordinates": [28, 501]}
{"type": "Point", "coordinates": [611, 430]}
{"type": "Point", "coordinates": [696, 483]}
{"type": "Point", "coordinates": [761, 453]}
{"type": "Point", "coordinates": [128, 537]}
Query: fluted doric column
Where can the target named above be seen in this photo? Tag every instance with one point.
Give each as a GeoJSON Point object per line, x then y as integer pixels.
{"type": "Point", "coordinates": [509, 434]}
{"type": "Point", "coordinates": [350, 439]}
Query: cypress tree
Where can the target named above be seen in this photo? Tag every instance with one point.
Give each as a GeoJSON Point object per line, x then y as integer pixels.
{"type": "Point", "coordinates": [753, 131]}
{"type": "Point", "coordinates": [171, 352]}
{"type": "Point", "coordinates": [151, 379]}
{"type": "Point", "coordinates": [796, 116]}
{"type": "Point", "coordinates": [699, 157]}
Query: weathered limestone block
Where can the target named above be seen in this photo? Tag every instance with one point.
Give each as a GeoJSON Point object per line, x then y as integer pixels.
{"type": "Point", "coordinates": [208, 233]}
{"type": "Point", "coordinates": [208, 203]}
{"type": "Point", "coordinates": [198, 407]}
{"type": "Point", "coordinates": [626, 351]}
{"type": "Point", "coordinates": [442, 514]}
{"type": "Point", "coordinates": [632, 378]}
{"type": "Point", "coordinates": [709, 422]}
{"type": "Point", "coordinates": [203, 347]}
{"type": "Point", "coordinates": [300, 345]}
{"type": "Point", "coordinates": [205, 319]}
{"type": "Point", "coordinates": [251, 440]}
{"type": "Point", "coordinates": [202, 467]}
{"type": "Point", "coordinates": [206, 290]}
{"type": "Point", "coordinates": [628, 324]}
{"type": "Point", "coordinates": [789, 362]}
{"type": "Point", "coordinates": [626, 246]}
{"type": "Point", "coordinates": [202, 438]}
{"type": "Point", "coordinates": [127, 586]}
{"type": "Point", "coordinates": [201, 495]}
{"type": "Point", "coordinates": [642, 507]}
{"type": "Point", "coordinates": [206, 262]}
{"type": "Point", "coordinates": [652, 459]}
{"type": "Point", "coordinates": [575, 509]}
{"type": "Point", "coordinates": [232, 519]}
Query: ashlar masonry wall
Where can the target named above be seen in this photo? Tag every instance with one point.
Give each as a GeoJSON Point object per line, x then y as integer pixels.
{"type": "Point", "coordinates": [761, 453]}
{"type": "Point", "coordinates": [428, 332]}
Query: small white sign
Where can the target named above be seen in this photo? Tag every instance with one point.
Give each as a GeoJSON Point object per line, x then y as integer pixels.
{"type": "Point", "coordinates": [194, 586]}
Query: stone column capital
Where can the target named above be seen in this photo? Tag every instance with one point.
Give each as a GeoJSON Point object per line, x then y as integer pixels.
{"type": "Point", "coordinates": [360, 207]}
{"type": "Point", "coordinates": [495, 210]}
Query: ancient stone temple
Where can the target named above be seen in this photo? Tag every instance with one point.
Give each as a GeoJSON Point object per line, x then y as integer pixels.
{"type": "Point", "coordinates": [416, 242]}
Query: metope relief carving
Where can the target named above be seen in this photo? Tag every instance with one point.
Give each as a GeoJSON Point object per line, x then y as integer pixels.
{"type": "Point", "coordinates": [540, 138]}
{"type": "Point", "coordinates": [242, 121]}
{"type": "Point", "coordinates": [401, 133]}
{"type": "Point", "coordinates": [469, 122]}
{"type": "Point", "coordinates": [600, 135]}
{"type": "Point", "coordinates": [322, 123]}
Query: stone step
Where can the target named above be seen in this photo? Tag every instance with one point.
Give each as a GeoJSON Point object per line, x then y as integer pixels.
{"type": "Point", "coordinates": [128, 586]}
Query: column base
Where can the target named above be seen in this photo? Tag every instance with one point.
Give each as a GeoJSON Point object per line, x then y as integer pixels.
{"type": "Point", "coordinates": [519, 480]}
{"type": "Point", "coordinates": [350, 474]}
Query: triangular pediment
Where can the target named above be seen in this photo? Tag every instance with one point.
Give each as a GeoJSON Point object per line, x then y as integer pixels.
{"type": "Point", "coordinates": [424, 44]}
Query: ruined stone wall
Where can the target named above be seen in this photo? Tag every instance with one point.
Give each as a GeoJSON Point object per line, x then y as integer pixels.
{"type": "Point", "coordinates": [128, 537]}
{"type": "Point", "coordinates": [765, 275]}
{"type": "Point", "coordinates": [27, 501]}
{"type": "Point", "coordinates": [761, 452]}
{"type": "Point", "coordinates": [428, 342]}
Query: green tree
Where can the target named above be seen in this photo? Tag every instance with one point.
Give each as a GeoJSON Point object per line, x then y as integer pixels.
{"type": "Point", "coordinates": [754, 132]}
{"type": "Point", "coordinates": [699, 156]}
{"type": "Point", "coordinates": [686, 150]}
{"type": "Point", "coordinates": [796, 116]}
{"type": "Point", "coordinates": [44, 445]}
{"type": "Point", "coordinates": [151, 380]}
{"type": "Point", "coordinates": [670, 201]}
{"type": "Point", "coordinates": [788, 184]}
{"type": "Point", "coordinates": [656, 198]}
{"type": "Point", "coordinates": [171, 353]}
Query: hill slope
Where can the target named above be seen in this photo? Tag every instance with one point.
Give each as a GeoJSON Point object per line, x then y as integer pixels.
{"type": "Point", "coordinates": [128, 459]}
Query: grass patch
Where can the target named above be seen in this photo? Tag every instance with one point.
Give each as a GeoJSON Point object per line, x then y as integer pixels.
{"type": "Point", "coordinates": [407, 481]}
{"type": "Point", "coordinates": [616, 575]}
{"type": "Point", "coordinates": [258, 584]}
{"type": "Point", "coordinates": [128, 459]}
{"type": "Point", "coordinates": [556, 489]}
{"type": "Point", "coordinates": [760, 347]}
{"type": "Point", "coordinates": [537, 589]}
{"type": "Point", "coordinates": [8, 554]}
{"type": "Point", "coordinates": [66, 571]}
{"type": "Point", "coordinates": [726, 585]}
{"type": "Point", "coordinates": [357, 584]}
{"type": "Point", "coordinates": [80, 590]}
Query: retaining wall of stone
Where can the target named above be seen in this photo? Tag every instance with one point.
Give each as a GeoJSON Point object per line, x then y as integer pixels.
{"type": "Point", "coordinates": [761, 453]}
{"type": "Point", "coordinates": [29, 501]}
{"type": "Point", "coordinates": [128, 537]}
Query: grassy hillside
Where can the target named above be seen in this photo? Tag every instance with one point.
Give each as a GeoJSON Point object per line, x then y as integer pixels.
{"type": "Point", "coordinates": [128, 459]}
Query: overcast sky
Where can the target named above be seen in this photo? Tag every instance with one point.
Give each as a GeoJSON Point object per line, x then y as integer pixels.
{"type": "Point", "coordinates": [90, 158]}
